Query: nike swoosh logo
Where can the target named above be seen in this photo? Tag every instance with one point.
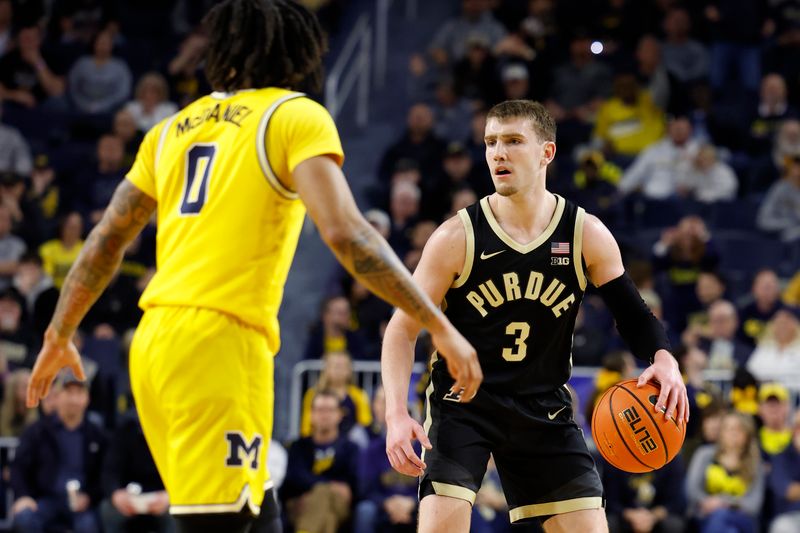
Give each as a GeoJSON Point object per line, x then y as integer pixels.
{"type": "Point", "coordinates": [484, 255]}
{"type": "Point", "coordinates": [552, 416]}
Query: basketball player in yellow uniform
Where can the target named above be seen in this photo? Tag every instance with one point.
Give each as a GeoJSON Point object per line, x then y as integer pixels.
{"type": "Point", "coordinates": [229, 179]}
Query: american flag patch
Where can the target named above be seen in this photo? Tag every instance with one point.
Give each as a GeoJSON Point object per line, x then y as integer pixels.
{"type": "Point", "coordinates": [559, 248]}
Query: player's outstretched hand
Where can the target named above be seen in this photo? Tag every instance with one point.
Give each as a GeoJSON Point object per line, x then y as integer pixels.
{"type": "Point", "coordinates": [462, 361]}
{"type": "Point", "coordinates": [401, 431]}
{"type": "Point", "coordinates": [56, 353]}
{"type": "Point", "coordinates": [673, 395]}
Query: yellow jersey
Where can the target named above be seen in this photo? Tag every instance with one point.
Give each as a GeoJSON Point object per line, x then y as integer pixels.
{"type": "Point", "coordinates": [57, 260]}
{"type": "Point", "coordinates": [228, 219]}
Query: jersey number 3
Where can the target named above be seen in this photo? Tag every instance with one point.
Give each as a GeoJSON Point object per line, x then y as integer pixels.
{"type": "Point", "coordinates": [199, 160]}
{"type": "Point", "coordinates": [521, 331]}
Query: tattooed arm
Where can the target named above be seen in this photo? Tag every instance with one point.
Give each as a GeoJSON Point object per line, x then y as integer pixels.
{"type": "Point", "coordinates": [129, 211]}
{"type": "Point", "coordinates": [368, 257]}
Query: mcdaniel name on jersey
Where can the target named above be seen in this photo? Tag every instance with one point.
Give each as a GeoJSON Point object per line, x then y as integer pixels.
{"type": "Point", "coordinates": [226, 113]}
{"type": "Point", "coordinates": [535, 287]}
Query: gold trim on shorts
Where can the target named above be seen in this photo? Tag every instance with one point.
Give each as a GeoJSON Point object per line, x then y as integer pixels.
{"type": "Point", "coordinates": [211, 508]}
{"type": "Point", "coordinates": [453, 491]}
{"type": "Point", "coordinates": [553, 508]}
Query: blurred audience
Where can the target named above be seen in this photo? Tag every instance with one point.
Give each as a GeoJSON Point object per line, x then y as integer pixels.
{"type": "Point", "coordinates": [775, 433]}
{"type": "Point", "coordinates": [27, 76]}
{"type": "Point", "coordinates": [58, 466]}
{"type": "Point", "coordinates": [657, 170]}
{"type": "Point", "coordinates": [15, 153]}
{"type": "Point", "coordinates": [765, 301]}
{"type": "Point", "coordinates": [150, 104]}
{"type": "Point", "coordinates": [12, 248]}
{"type": "Point", "coordinates": [15, 417]}
{"type": "Point", "coordinates": [321, 485]}
{"type": "Point", "coordinates": [725, 350]}
{"type": "Point", "coordinates": [337, 379]}
{"type": "Point", "coordinates": [708, 179]}
{"type": "Point", "coordinates": [390, 498]}
{"type": "Point", "coordinates": [780, 210]}
{"type": "Point", "coordinates": [135, 499]}
{"type": "Point", "coordinates": [333, 333]}
{"type": "Point", "coordinates": [684, 58]}
{"type": "Point", "coordinates": [682, 253]}
{"type": "Point", "coordinates": [629, 121]}
{"type": "Point", "coordinates": [784, 480]}
{"type": "Point", "coordinates": [645, 503]}
{"type": "Point", "coordinates": [725, 482]}
{"type": "Point", "coordinates": [100, 82]}
{"type": "Point", "coordinates": [59, 254]}
{"type": "Point", "coordinates": [777, 353]}
{"type": "Point", "coordinates": [418, 143]}
{"type": "Point", "coordinates": [450, 42]}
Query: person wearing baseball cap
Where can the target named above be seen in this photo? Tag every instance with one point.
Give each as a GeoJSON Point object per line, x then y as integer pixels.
{"type": "Point", "coordinates": [773, 410]}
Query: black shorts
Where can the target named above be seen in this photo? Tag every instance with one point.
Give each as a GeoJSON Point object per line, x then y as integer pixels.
{"type": "Point", "coordinates": [541, 456]}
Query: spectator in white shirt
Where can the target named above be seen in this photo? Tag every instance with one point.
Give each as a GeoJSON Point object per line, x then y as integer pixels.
{"type": "Point", "coordinates": [150, 105]}
{"type": "Point", "coordinates": [777, 355]}
{"type": "Point", "coordinates": [708, 180]}
{"type": "Point", "coordinates": [655, 172]}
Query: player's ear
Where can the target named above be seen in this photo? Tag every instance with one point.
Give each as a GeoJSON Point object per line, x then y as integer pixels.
{"type": "Point", "coordinates": [548, 152]}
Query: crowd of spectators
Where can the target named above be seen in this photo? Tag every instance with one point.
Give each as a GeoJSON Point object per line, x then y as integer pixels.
{"type": "Point", "coordinates": [678, 126]}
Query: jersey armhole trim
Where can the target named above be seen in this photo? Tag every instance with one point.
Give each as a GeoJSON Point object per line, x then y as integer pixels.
{"type": "Point", "coordinates": [577, 241]}
{"type": "Point", "coordinates": [469, 256]}
{"type": "Point", "coordinates": [261, 148]}
{"type": "Point", "coordinates": [161, 139]}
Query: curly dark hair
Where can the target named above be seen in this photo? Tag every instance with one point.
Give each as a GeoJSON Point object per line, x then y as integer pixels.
{"type": "Point", "coordinates": [263, 43]}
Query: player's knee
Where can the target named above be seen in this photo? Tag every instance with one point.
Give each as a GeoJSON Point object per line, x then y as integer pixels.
{"type": "Point", "coordinates": [440, 514]}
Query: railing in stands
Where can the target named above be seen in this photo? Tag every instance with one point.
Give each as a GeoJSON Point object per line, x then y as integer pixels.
{"type": "Point", "coordinates": [306, 373]}
{"type": "Point", "coordinates": [368, 376]}
{"type": "Point", "coordinates": [352, 66]}
{"type": "Point", "coordinates": [382, 35]}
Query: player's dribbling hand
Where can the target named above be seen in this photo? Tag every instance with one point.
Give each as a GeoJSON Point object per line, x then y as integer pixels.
{"type": "Point", "coordinates": [56, 353]}
{"type": "Point", "coordinates": [401, 431]}
{"type": "Point", "coordinates": [461, 359]}
{"type": "Point", "coordinates": [673, 395]}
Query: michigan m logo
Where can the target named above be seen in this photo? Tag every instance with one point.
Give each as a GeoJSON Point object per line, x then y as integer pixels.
{"type": "Point", "coordinates": [240, 450]}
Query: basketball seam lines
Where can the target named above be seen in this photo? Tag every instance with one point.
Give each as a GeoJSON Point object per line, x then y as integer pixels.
{"type": "Point", "coordinates": [655, 424]}
{"type": "Point", "coordinates": [621, 438]}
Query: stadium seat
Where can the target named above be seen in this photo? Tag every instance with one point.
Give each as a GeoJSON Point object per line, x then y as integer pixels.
{"type": "Point", "coordinates": [747, 252]}
{"type": "Point", "coordinates": [735, 215]}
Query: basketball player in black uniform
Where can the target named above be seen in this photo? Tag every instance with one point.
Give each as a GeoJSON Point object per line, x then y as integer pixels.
{"type": "Point", "coordinates": [510, 272]}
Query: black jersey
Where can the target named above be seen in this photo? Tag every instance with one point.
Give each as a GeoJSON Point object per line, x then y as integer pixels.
{"type": "Point", "coordinates": [517, 303]}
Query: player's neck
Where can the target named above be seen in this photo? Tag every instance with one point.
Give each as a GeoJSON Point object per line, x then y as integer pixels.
{"type": "Point", "coordinates": [527, 211]}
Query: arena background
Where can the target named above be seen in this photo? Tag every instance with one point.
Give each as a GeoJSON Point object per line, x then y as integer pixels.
{"type": "Point", "coordinates": [678, 127]}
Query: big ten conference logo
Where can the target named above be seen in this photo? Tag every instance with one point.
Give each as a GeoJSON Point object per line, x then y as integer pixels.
{"type": "Point", "coordinates": [641, 434]}
{"type": "Point", "coordinates": [241, 451]}
{"type": "Point", "coordinates": [559, 261]}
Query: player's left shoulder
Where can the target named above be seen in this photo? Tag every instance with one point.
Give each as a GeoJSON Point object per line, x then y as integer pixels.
{"type": "Point", "coordinates": [598, 242]}
{"type": "Point", "coordinates": [593, 228]}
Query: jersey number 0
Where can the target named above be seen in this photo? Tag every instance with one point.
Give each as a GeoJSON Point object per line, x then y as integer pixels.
{"type": "Point", "coordinates": [199, 160]}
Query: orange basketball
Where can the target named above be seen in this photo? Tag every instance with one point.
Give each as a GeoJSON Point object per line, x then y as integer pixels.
{"type": "Point", "coordinates": [630, 434]}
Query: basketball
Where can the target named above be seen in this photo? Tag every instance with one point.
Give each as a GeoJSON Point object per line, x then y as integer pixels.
{"type": "Point", "coordinates": [629, 433]}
